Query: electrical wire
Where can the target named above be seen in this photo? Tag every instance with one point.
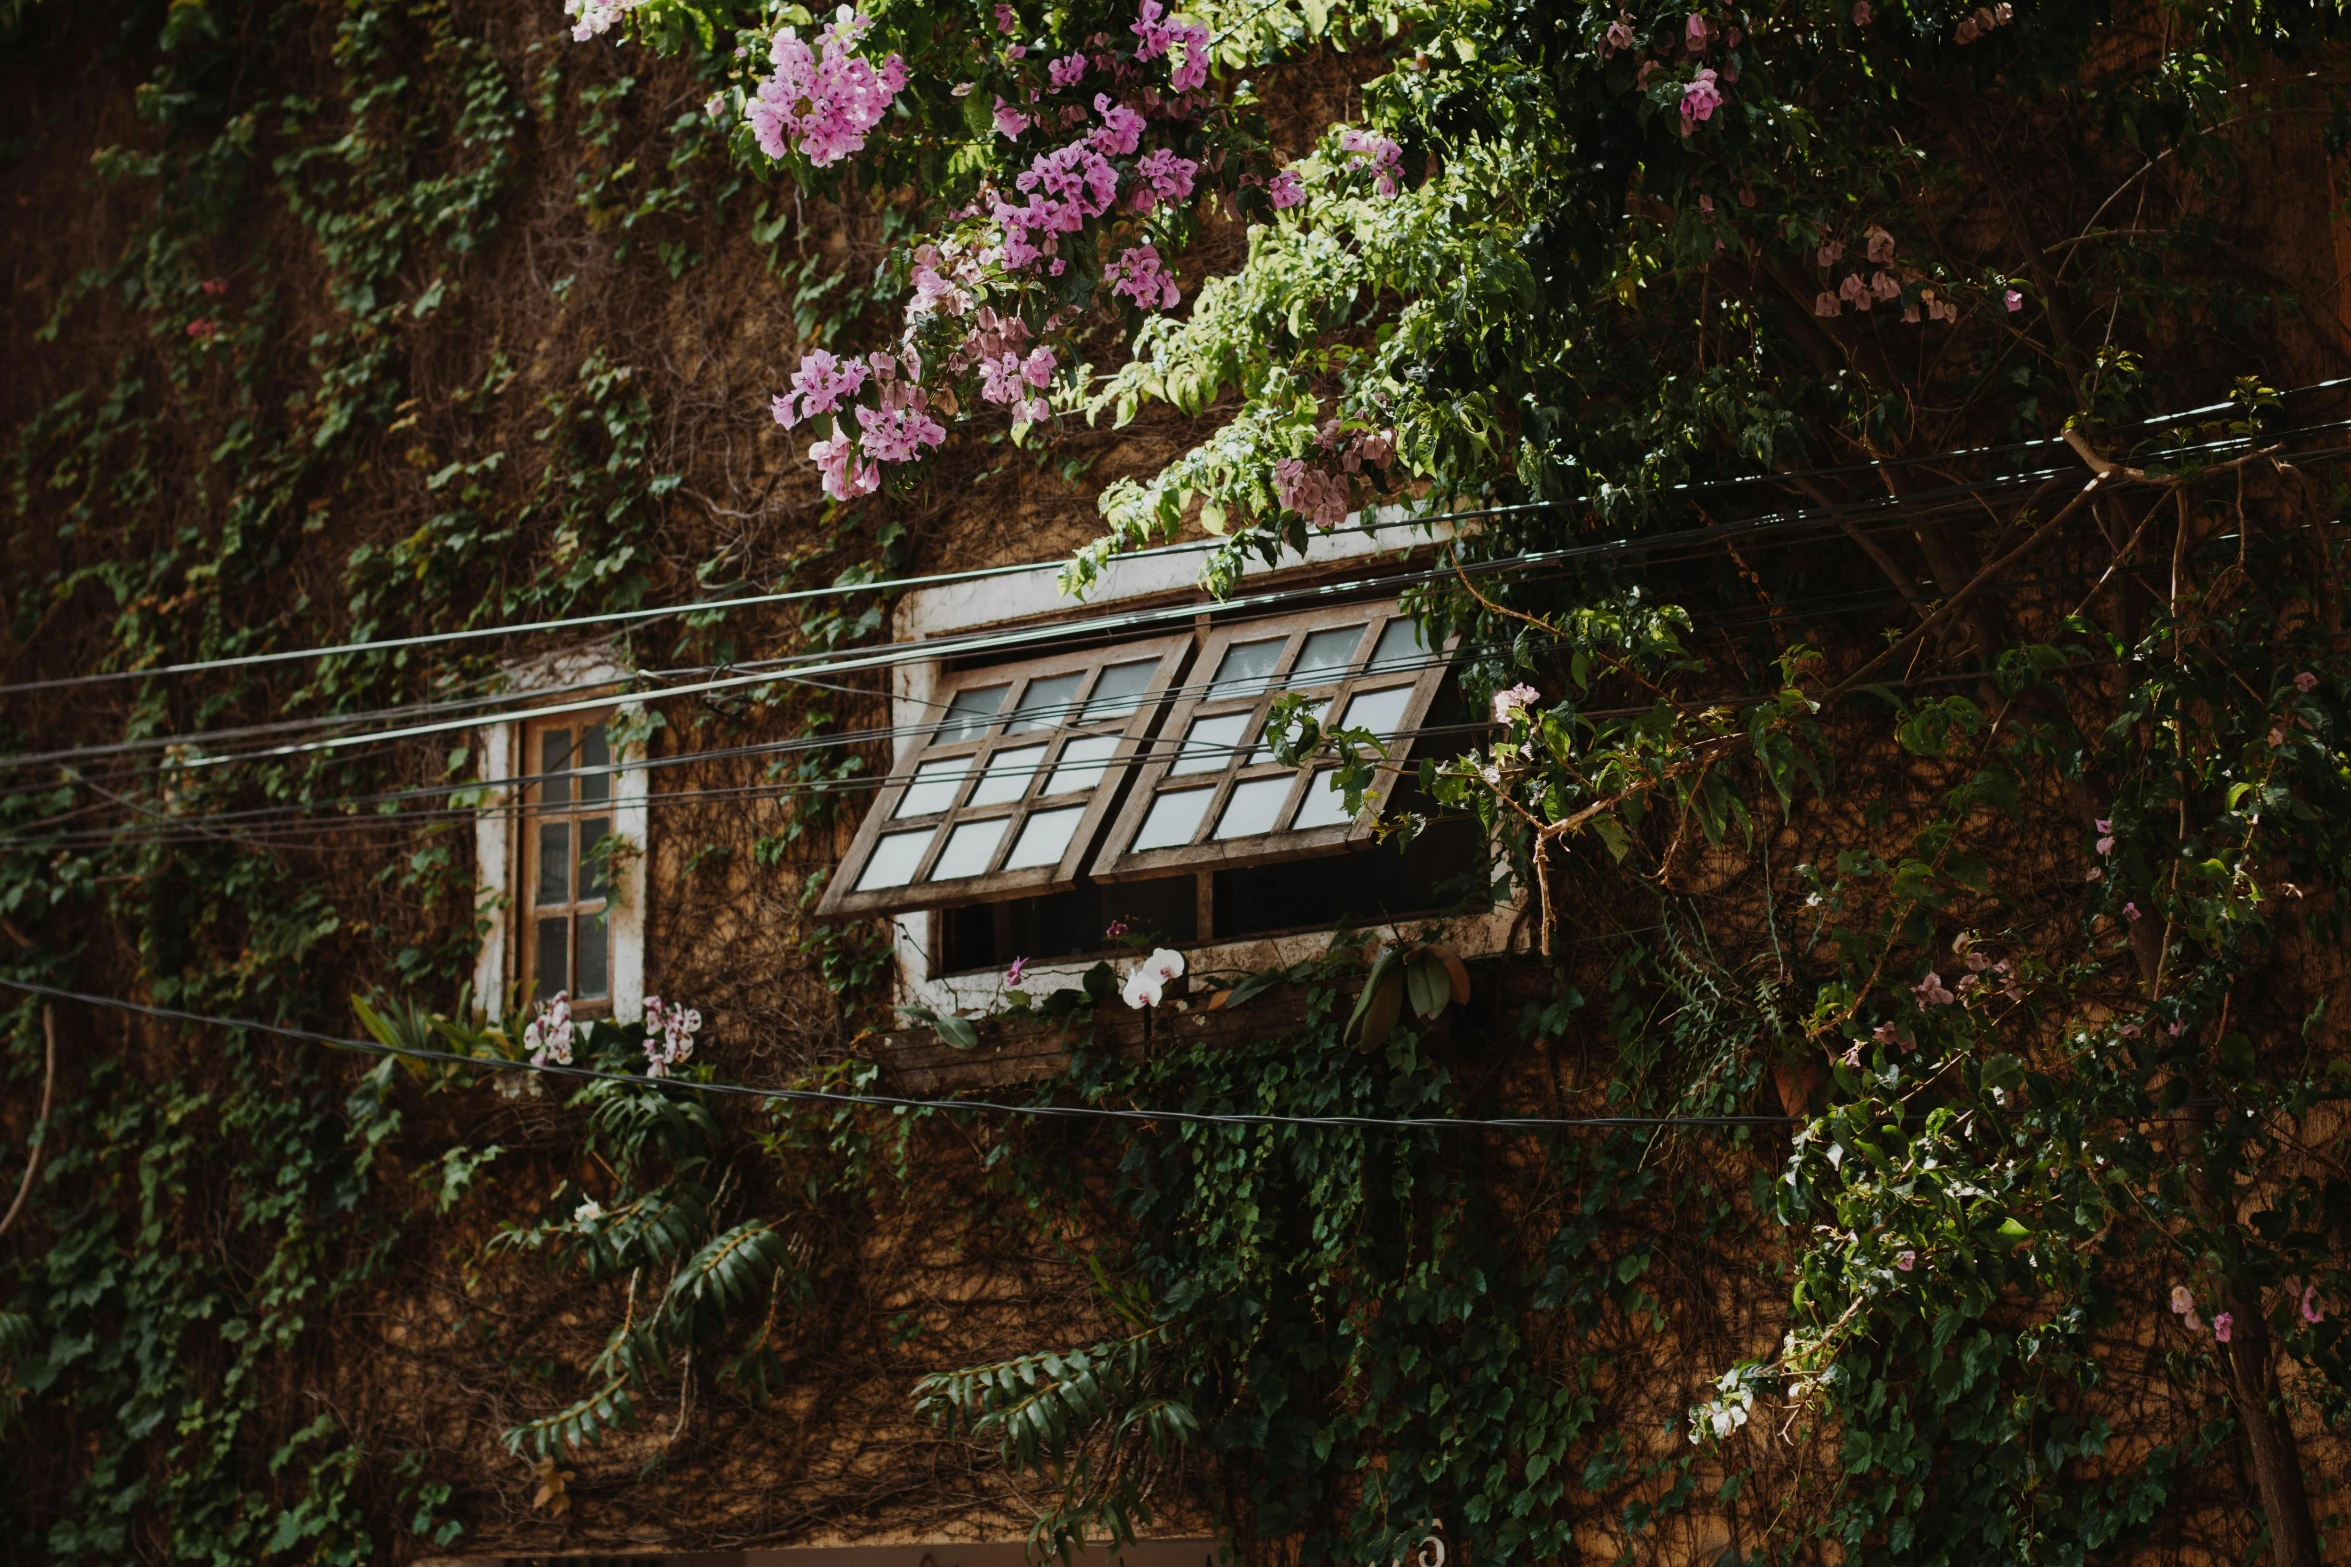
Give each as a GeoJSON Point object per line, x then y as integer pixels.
{"type": "Point", "coordinates": [1704, 539]}
{"type": "Point", "coordinates": [893, 1102]}
{"type": "Point", "coordinates": [982, 573]}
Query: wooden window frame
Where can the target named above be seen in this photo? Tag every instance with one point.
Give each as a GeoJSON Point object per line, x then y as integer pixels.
{"type": "Point", "coordinates": [1114, 862]}
{"type": "Point", "coordinates": [919, 892]}
{"type": "Point", "coordinates": [536, 812]}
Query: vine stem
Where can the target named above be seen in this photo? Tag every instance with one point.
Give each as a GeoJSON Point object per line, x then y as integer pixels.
{"type": "Point", "coordinates": [24, 1188]}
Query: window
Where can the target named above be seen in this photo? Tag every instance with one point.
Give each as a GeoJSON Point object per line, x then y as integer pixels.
{"type": "Point", "coordinates": [567, 843]}
{"type": "Point", "coordinates": [1011, 783]}
{"type": "Point", "coordinates": [1213, 794]}
{"type": "Point", "coordinates": [1048, 802]}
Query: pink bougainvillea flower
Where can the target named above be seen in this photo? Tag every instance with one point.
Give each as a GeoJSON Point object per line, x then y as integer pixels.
{"type": "Point", "coordinates": [2306, 682]}
{"type": "Point", "coordinates": [1285, 190]}
{"type": "Point", "coordinates": [1861, 13]}
{"type": "Point", "coordinates": [1010, 122]}
{"type": "Point", "coordinates": [1066, 71]}
{"type": "Point", "coordinates": [2014, 301]}
{"type": "Point", "coordinates": [845, 478]}
{"type": "Point", "coordinates": [1620, 34]}
{"type": "Point", "coordinates": [2182, 1302]}
{"type": "Point", "coordinates": [2223, 1323]}
{"type": "Point", "coordinates": [2130, 911]}
{"type": "Point", "coordinates": [1827, 305]}
{"type": "Point", "coordinates": [1699, 100]}
{"type": "Point", "coordinates": [1005, 20]}
{"type": "Point", "coordinates": [1137, 275]}
{"type": "Point", "coordinates": [1512, 703]}
{"type": "Point", "coordinates": [2310, 1308]}
{"type": "Point", "coordinates": [1012, 974]}
{"type": "Point", "coordinates": [1121, 129]}
{"type": "Point", "coordinates": [1932, 992]}
{"type": "Point", "coordinates": [1906, 1260]}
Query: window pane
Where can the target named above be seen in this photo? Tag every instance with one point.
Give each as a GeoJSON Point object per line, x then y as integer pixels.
{"type": "Point", "coordinates": [1044, 839]}
{"type": "Point", "coordinates": [592, 883]}
{"type": "Point", "coordinates": [595, 959]}
{"type": "Point", "coordinates": [1173, 819]}
{"type": "Point", "coordinates": [969, 849]}
{"type": "Point", "coordinates": [1084, 762]}
{"type": "Point", "coordinates": [1381, 712]}
{"type": "Point", "coordinates": [1325, 804]}
{"type": "Point", "coordinates": [1009, 775]}
{"type": "Point", "coordinates": [1326, 656]}
{"type": "Point", "coordinates": [1209, 746]}
{"type": "Point", "coordinates": [554, 966]}
{"type": "Point", "coordinates": [1254, 807]}
{"type": "Point", "coordinates": [595, 751]}
{"type": "Point", "coordinates": [1399, 646]}
{"type": "Point", "coordinates": [1120, 690]}
{"type": "Point", "coordinates": [933, 788]}
{"type": "Point", "coordinates": [1245, 668]}
{"type": "Point", "coordinates": [554, 761]}
{"type": "Point", "coordinates": [893, 861]}
{"type": "Point", "coordinates": [554, 862]}
{"type": "Point", "coordinates": [1264, 752]}
{"type": "Point", "coordinates": [1045, 704]}
{"type": "Point", "coordinates": [968, 713]}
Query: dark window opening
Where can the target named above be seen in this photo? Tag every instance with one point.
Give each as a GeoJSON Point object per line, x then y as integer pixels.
{"type": "Point", "coordinates": [1063, 925]}
{"type": "Point", "coordinates": [1443, 871]}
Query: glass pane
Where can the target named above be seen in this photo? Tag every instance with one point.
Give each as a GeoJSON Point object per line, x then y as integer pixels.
{"type": "Point", "coordinates": [1084, 762]}
{"type": "Point", "coordinates": [1399, 646]}
{"type": "Point", "coordinates": [1326, 656]}
{"type": "Point", "coordinates": [894, 859]}
{"type": "Point", "coordinates": [1264, 752]}
{"type": "Point", "coordinates": [554, 965]}
{"type": "Point", "coordinates": [1209, 746]}
{"type": "Point", "coordinates": [595, 751]}
{"type": "Point", "coordinates": [595, 959]}
{"type": "Point", "coordinates": [1045, 704]}
{"type": "Point", "coordinates": [1254, 807]}
{"type": "Point", "coordinates": [1120, 690]}
{"type": "Point", "coordinates": [968, 713]}
{"type": "Point", "coordinates": [1173, 819]}
{"type": "Point", "coordinates": [1381, 712]}
{"type": "Point", "coordinates": [555, 759]}
{"type": "Point", "coordinates": [1325, 804]}
{"type": "Point", "coordinates": [1044, 838]}
{"type": "Point", "coordinates": [592, 883]}
{"type": "Point", "coordinates": [1009, 775]}
{"type": "Point", "coordinates": [1245, 668]}
{"type": "Point", "coordinates": [554, 863]}
{"type": "Point", "coordinates": [933, 787]}
{"type": "Point", "coordinates": [969, 849]}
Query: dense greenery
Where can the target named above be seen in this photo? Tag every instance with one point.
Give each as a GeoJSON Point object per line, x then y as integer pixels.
{"type": "Point", "coordinates": [2002, 843]}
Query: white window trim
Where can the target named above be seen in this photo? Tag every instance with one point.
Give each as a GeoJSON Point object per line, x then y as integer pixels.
{"type": "Point", "coordinates": [497, 840]}
{"type": "Point", "coordinates": [960, 607]}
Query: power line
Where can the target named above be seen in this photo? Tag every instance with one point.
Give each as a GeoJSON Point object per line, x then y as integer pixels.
{"type": "Point", "coordinates": [888, 654]}
{"type": "Point", "coordinates": [981, 573]}
{"type": "Point", "coordinates": [1910, 507]}
{"type": "Point", "coordinates": [1043, 1112]}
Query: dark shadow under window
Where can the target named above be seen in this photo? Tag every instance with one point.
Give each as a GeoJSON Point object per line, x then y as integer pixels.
{"type": "Point", "coordinates": [1443, 870]}
{"type": "Point", "coordinates": [1063, 925]}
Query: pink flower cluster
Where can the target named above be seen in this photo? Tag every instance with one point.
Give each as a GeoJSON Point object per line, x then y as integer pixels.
{"type": "Point", "coordinates": [819, 386]}
{"type": "Point", "coordinates": [590, 17]}
{"type": "Point", "coordinates": [548, 1036]}
{"type": "Point", "coordinates": [1162, 176]}
{"type": "Point", "coordinates": [1138, 275]}
{"type": "Point", "coordinates": [1319, 497]}
{"type": "Point", "coordinates": [1064, 188]}
{"type": "Point", "coordinates": [669, 1035]}
{"type": "Point", "coordinates": [1700, 98]}
{"type": "Point", "coordinates": [1285, 190]}
{"type": "Point", "coordinates": [1983, 20]}
{"type": "Point", "coordinates": [1121, 130]}
{"type": "Point", "coordinates": [1370, 150]}
{"type": "Point", "coordinates": [1510, 704]}
{"type": "Point", "coordinates": [823, 104]}
{"type": "Point", "coordinates": [1189, 68]}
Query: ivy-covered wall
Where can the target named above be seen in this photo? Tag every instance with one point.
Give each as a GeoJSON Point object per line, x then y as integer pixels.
{"type": "Point", "coordinates": [1935, 934]}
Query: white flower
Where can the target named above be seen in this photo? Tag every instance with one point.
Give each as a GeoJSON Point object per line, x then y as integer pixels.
{"type": "Point", "coordinates": [548, 1036]}
{"type": "Point", "coordinates": [588, 1212]}
{"type": "Point", "coordinates": [1149, 981]}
